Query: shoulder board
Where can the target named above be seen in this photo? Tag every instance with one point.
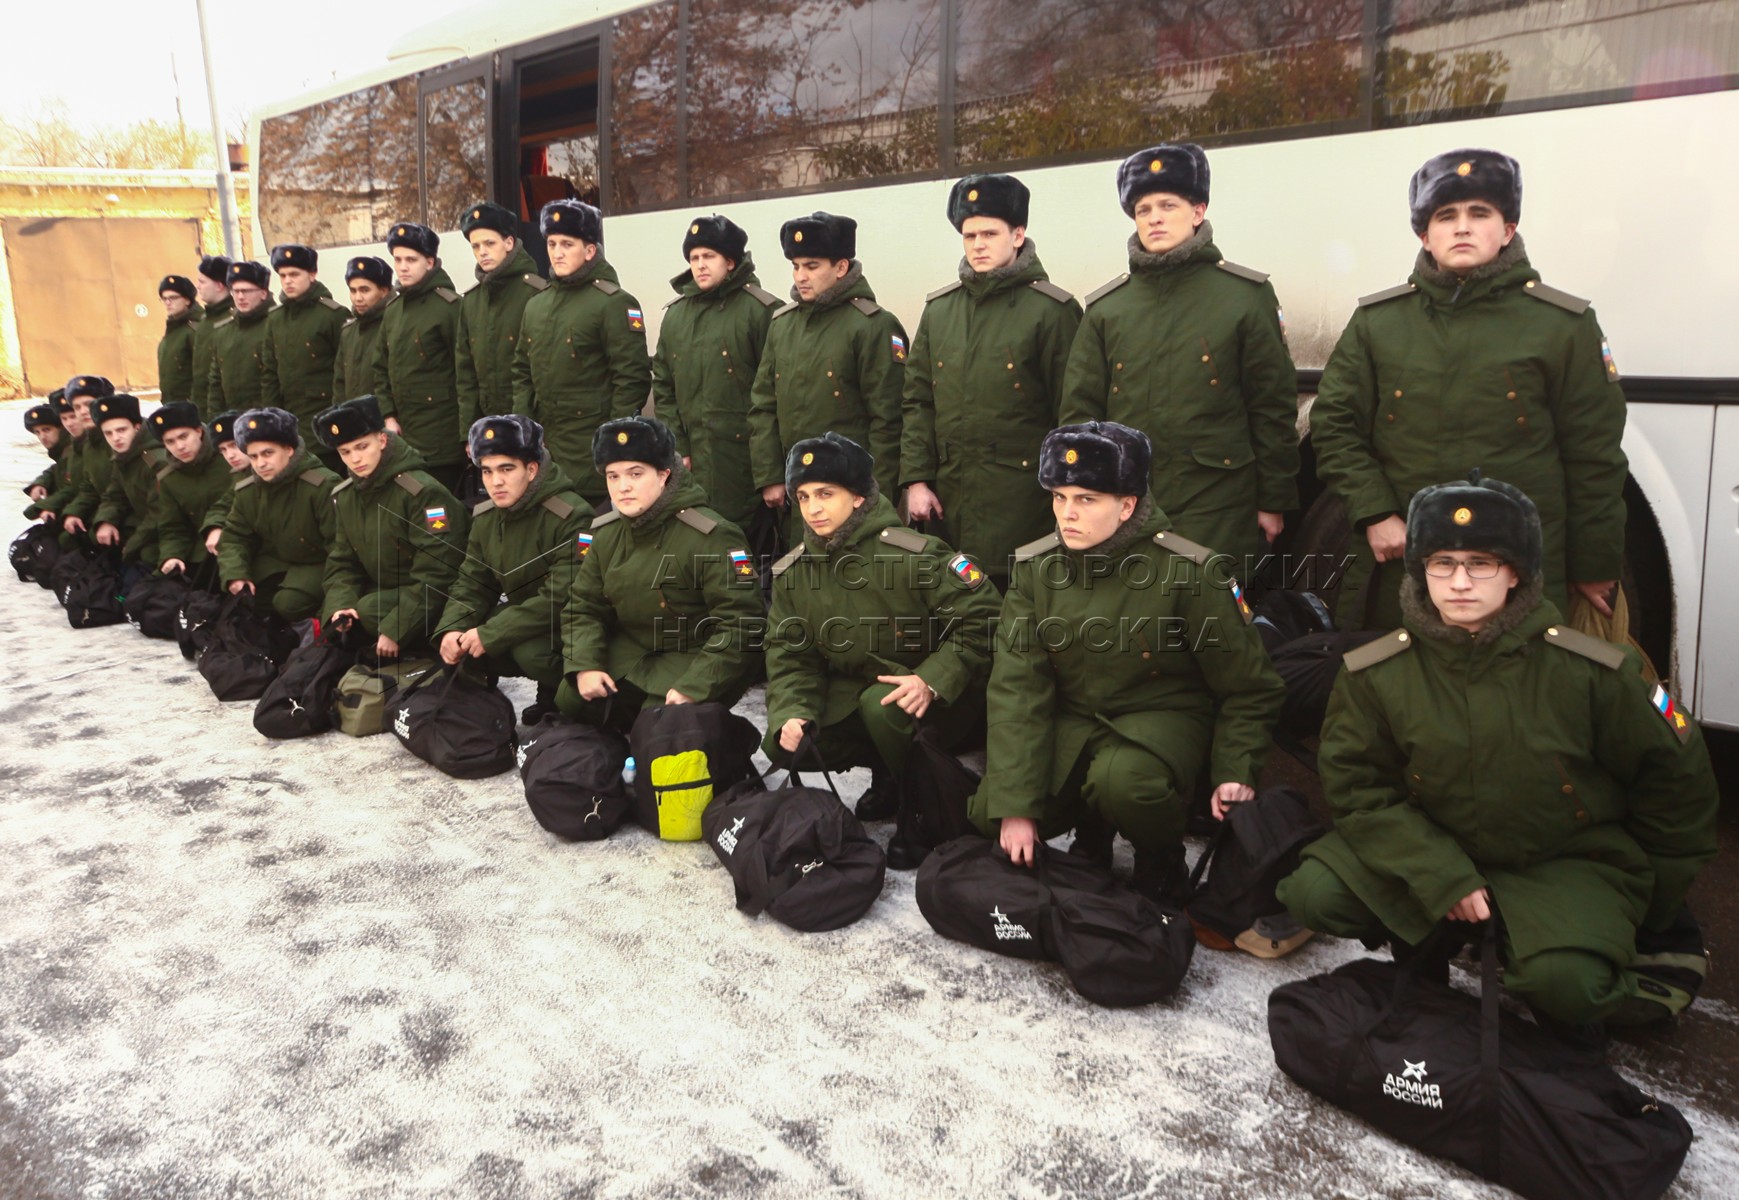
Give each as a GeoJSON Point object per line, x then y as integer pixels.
{"type": "Point", "coordinates": [603, 519]}
{"type": "Point", "coordinates": [447, 294]}
{"type": "Point", "coordinates": [1045, 287]}
{"type": "Point", "coordinates": [674, 302]}
{"type": "Point", "coordinates": [695, 520]}
{"type": "Point", "coordinates": [481, 507]}
{"type": "Point", "coordinates": [1577, 642]}
{"type": "Point", "coordinates": [329, 302]}
{"type": "Point", "coordinates": [558, 506]}
{"type": "Point", "coordinates": [1551, 295]}
{"type": "Point", "coordinates": [1242, 272]}
{"type": "Point", "coordinates": [219, 324]}
{"type": "Point", "coordinates": [1033, 549]}
{"type": "Point", "coordinates": [943, 291]}
{"type": "Point", "coordinates": [166, 470]}
{"type": "Point", "coordinates": [344, 484]}
{"type": "Point", "coordinates": [1372, 653]}
{"type": "Point", "coordinates": [156, 456]}
{"type": "Point", "coordinates": [1394, 293]}
{"type": "Point", "coordinates": [413, 486]}
{"type": "Point", "coordinates": [313, 477]}
{"type": "Point", "coordinates": [1101, 292]}
{"type": "Point", "coordinates": [350, 322]}
{"type": "Point", "coordinates": [905, 539]}
{"type": "Point", "coordinates": [790, 306]}
{"type": "Point", "coordinates": [247, 480]}
{"type": "Point", "coordinates": [762, 294]}
{"type": "Point", "coordinates": [868, 308]}
{"type": "Point", "coordinates": [1170, 539]}
{"type": "Point", "coordinates": [780, 566]}
{"type": "Point", "coordinates": [605, 286]}
{"type": "Point", "coordinates": [535, 282]}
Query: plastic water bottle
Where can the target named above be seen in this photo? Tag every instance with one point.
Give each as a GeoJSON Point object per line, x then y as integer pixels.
{"type": "Point", "coordinates": [628, 771]}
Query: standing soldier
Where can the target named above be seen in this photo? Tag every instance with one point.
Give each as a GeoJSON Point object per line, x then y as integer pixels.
{"type": "Point", "coordinates": [1125, 669]}
{"type": "Point", "coordinates": [489, 314]}
{"type": "Point", "coordinates": [211, 283]}
{"type": "Point", "coordinates": [582, 345]}
{"type": "Point", "coordinates": [175, 350]}
{"type": "Point", "coordinates": [709, 347]}
{"type": "Point", "coordinates": [193, 488]}
{"type": "Point", "coordinates": [833, 361]}
{"type": "Point", "coordinates": [279, 524]}
{"type": "Point", "coordinates": [302, 339]}
{"type": "Point", "coordinates": [370, 282]}
{"type": "Point", "coordinates": [1473, 362]}
{"type": "Point", "coordinates": [414, 355]}
{"type": "Point", "coordinates": [1190, 349]}
{"type": "Point", "coordinates": [238, 349]}
{"type": "Point", "coordinates": [985, 380]}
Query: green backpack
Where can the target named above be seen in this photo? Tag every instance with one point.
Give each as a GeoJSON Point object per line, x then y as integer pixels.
{"type": "Point", "coordinates": [363, 704]}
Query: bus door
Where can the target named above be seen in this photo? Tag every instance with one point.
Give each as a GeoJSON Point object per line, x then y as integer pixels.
{"type": "Point", "coordinates": [552, 149]}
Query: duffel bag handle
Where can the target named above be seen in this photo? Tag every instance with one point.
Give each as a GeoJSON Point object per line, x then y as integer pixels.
{"type": "Point", "coordinates": [793, 779]}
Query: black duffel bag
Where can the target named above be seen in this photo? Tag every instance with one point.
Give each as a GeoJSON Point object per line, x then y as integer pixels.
{"type": "Point", "coordinates": [245, 651]}
{"type": "Point", "coordinates": [33, 554]}
{"type": "Point", "coordinates": [455, 724]}
{"type": "Point", "coordinates": [573, 778]}
{"type": "Point", "coordinates": [1309, 666]}
{"type": "Point", "coordinates": [154, 604]}
{"type": "Point", "coordinates": [1454, 1076]}
{"type": "Point", "coordinates": [1119, 948]}
{"type": "Point", "coordinates": [67, 569]}
{"type": "Point", "coordinates": [796, 853]}
{"type": "Point", "coordinates": [935, 787]}
{"type": "Point", "coordinates": [1251, 851]}
{"type": "Point", "coordinates": [298, 703]}
{"type": "Point", "coordinates": [685, 754]}
{"type": "Point", "coordinates": [96, 596]}
{"type": "Point", "coordinates": [194, 618]}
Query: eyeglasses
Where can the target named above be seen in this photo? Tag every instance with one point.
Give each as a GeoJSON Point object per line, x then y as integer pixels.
{"type": "Point", "coordinates": [1476, 568]}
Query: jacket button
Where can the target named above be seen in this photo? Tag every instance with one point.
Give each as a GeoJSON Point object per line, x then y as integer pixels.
{"type": "Point", "coordinates": [1205, 358]}
{"type": "Point", "coordinates": [1011, 366]}
{"type": "Point", "coordinates": [1228, 462]}
{"type": "Point", "coordinates": [830, 374]}
{"type": "Point", "coordinates": [1397, 393]}
{"type": "Point", "coordinates": [1213, 383]}
{"type": "Point", "coordinates": [1581, 816]}
{"type": "Point", "coordinates": [725, 353]}
{"type": "Point", "coordinates": [938, 362]}
{"type": "Point", "coordinates": [1568, 790]}
{"type": "Point", "coordinates": [1119, 366]}
{"type": "Point", "coordinates": [1521, 420]}
{"type": "Point", "coordinates": [1509, 395]}
{"type": "Point", "coordinates": [836, 394]}
{"type": "Point", "coordinates": [1114, 389]}
{"type": "Point", "coordinates": [1147, 654]}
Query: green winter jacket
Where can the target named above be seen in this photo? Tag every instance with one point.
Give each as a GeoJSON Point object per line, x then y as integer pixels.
{"type": "Point", "coordinates": [175, 355]}
{"type": "Point", "coordinates": [270, 527]}
{"type": "Point", "coordinates": [414, 356]}
{"type": "Point", "coordinates": [93, 469]}
{"type": "Point", "coordinates": [129, 500]}
{"type": "Point", "coordinates": [54, 477]}
{"type": "Point", "coordinates": [353, 370]}
{"type": "Point", "coordinates": [297, 361]}
{"type": "Point", "coordinates": [488, 340]}
{"type": "Point", "coordinates": [191, 499]}
{"type": "Point", "coordinates": [204, 346]}
{"type": "Point", "coordinates": [238, 355]}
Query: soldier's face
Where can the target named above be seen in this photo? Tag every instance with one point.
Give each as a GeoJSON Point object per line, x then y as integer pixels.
{"type": "Point", "coordinates": [1164, 220]}
{"type": "Point", "coordinates": [1466, 235]}
{"type": "Point", "coordinates": [362, 456]}
{"type": "Point", "coordinates": [269, 459]}
{"type": "Point", "coordinates": [812, 276]}
{"type": "Point", "coordinates": [119, 434]}
{"type": "Point", "coordinates": [184, 443]}
{"type": "Point", "coordinates": [991, 243]}
{"type": "Point", "coordinates": [1085, 519]}
{"type": "Point", "coordinates": [505, 478]}
{"type": "Point", "coordinates": [568, 254]}
{"type": "Point", "coordinates": [232, 454]}
{"type": "Point", "coordinates": [294, 282]}
{"type": "Point", "coordinates": [708, 267]}
{"type": "Point", "coordinates": [634, 486]}
{"type": "Point", "coordinates": [72, 422]}
{"type": "Point", "coordinates": [1461, 599]}
{"type": "Point", "coordinates": [826, 506]}
{"type": "Point", "coordinates": [48, 435]}
{"type": "Point", "coordinates": [247, 297]}
{"type": "Point", "coordinates": [366, 295]}
{"type": "Point", "coordinates": [489, 248]}
{"type": "Point", "coordinates": [409, 266]}
{"type": "Point", "coordinates": [81, 411]}
{"type": "Point", "coordinates": [174, 303]}
{"type": "Point", "coordinates": [209, 290]}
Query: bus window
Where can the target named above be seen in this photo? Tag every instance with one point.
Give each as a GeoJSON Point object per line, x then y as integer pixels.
{"type": "Point", "coordinates": [644, 62]}
{"type": "Point", "coordinates": [455, 149]}
{"type": "Point", "coordinates": [338, 173]}
{"type": "Point", "coordinates": [558, 128]}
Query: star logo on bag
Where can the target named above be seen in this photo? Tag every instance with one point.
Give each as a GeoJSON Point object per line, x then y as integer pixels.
{"type": "Point", "coordinates": [1413, 1070]}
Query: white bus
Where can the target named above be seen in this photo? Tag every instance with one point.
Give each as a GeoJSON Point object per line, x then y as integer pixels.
{"type": "Point", "coordinates": [1623, 114]}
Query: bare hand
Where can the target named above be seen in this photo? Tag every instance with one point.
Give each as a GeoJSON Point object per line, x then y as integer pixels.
{"type": "Point", "coordinates": [73, 525]}
{"type": "Point", "coordinates": [1474, 907]}
{"type": "Point", "coordinates": [675, 697]}
{"type": "Point", "coordinates": [342, 618]}
{"type": "Point", "coordinates": [37, 492]}
{"type": "Point", "coordinates": [45, 516]}
{"type": "Point", "coordinates": [238, 586]}
{"type": "Point", "coordinates": [1388, 538]}
{"type": "Point", "coordinates": [1020, 838]}
{"type": "Point", "coordinates": [108, 535]}
{"type": "Point", "coordinates": [911, 693]}
{"type": "Point", "coordinates": [172, 565]}
{"type": "Point", "coordinates": [791, 734]}
{"type": "Point", "coordinates": [212, 539]}
{"type": "Point", "coordinates": [773, 495]}
{"type": "Point", "coordinates": [451, 650]}
{"type": "Point", "coordinates": [471, 642]}
{"type": "Point", "coordinates": [595, 685]}
{"type": "Point", "coordinates": [385, 647]}
{"type": "Point", "coordinates": [1228, 794]}
{"type": "Point", "coordinates": [922, 503]}
{"type": "Point", "coordinates": [392, 423]}
{"type": "Point", "coordinates": [1271, 523]}
{"type": "Point", "coordinates": [688, 462]}
{"type": "Point", "coordinates": [1597, 593]}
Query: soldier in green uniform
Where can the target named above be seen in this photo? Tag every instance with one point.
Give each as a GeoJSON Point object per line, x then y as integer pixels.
{"type": "Point", "coordinates": [43, 422]}
{"type": "Point", "coordinates": [1486, 761]}
{"type": "Point", "coordinates": [834, 361]}
{"type": "Point", "coordinates": [873, 628]}
{"type": "Point", "coordinates": [582, 345]}
{"type": "Point", "coordinates": [181, 312]}
{"type": "Point", "coordinates": [1189, 348]}
{"type": "Point", "coordinates": [211, 284]}
{"type": "Point", "coordinates": [414, 355]}
{"type": "Point", "coordinates": [280, 521]}
{"type": "Point", "coordinates": [985, 381]}
{"type": "Point", "coordinates": [666, 606]}
{"type": "Point", "coordinates": [709, 348]}
{"type": "Point", "coordinates": [1125, 668]}
{"type": "Point", "coordinates": [369, 281]}
{"type": "Point", "coordinates": [506, 605]}
{"type": "Point", "coordinates": [302, 339]}
{"type": "Point", "coordinates": [1473, 362]}
{"type": "Point", "coordinates": [126, 516]}
{"type": "Point", "coordinates": [87, 464]}
{"type": "Point", "coordinates": [400, 534]}
{"type": "Point", "coordinates": [193, 486]}
{"type": "Point", "coordinates": [238, 350]}
{"type": "Point", "coordinates": [490, 313]}
{"type": "Point", "coordinates": [222, 430]}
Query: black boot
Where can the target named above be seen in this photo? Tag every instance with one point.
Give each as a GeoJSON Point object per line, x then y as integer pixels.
{"type": "Point", "coordinates": [1162, 876]}
{"type": "Point", "coordinates": [543, 706]}
{"type": "Point", "coordinates": [1094, 837]}
{"type": "Point", "coordinates": [882, 800]}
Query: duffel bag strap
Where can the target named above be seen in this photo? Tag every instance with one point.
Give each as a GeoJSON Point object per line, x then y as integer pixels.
{"type": "Point", "coordinates": [1221, 831]}
{"type": "Point", "coordinates": [1490, 1077]}
{"type": "Point", "coordinates": [792, 779]}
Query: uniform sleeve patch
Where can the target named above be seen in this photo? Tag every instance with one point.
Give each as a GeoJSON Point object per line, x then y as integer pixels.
{"type": "Point", "coordinates": [582, 543]}
{"type": "Point", "coordinates": [968, 571]}
{"type": "Point", "coordinates": [1671, 713]}
{"type": "Point", "coordinates": [741, 564]}
{"type": "Point", "coordinates": [899, 344]}
{"type": "Point", "coordinates": [1242, 603]}
{"type": "Point", "coordinates": [636, 319]}
{"type": "Point", "coordinates": [435, 518]}
{"type": "Point", "coordinates": [1607, 360]}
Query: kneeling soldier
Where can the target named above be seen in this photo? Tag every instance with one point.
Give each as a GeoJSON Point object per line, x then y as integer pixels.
{"type": "Point", "coordinates": [127, 514]}
{"type": "Point", "coordinates": [193, 486]}
{"type": "Point", "coordinates": [1487, 760]}
{"type": "Point", "coordinates": [1124, 668]}
{"type": "Point", "coordinates": [874, 626]}
{"type": "Point", "coordinates": [400, 535]}
{"type": "Point", "coordinates": [526, 538]}
{"type": "Point", "coordinates": [279, 524]}
{"type": "Point", "coordinates": [45, 424]}
{"type": "Point", "coordinates": [666, 608]}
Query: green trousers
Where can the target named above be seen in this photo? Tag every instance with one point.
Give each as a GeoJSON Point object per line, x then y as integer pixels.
{"type": "Point", "coordinates": [294, 594]}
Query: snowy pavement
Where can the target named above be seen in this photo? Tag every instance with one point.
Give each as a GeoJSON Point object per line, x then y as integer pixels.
{"type": "Point", "coordinates": [235, 968]}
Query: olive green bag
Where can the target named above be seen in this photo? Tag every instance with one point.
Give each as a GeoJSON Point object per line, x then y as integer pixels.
{"type": "Point", "coordinates": [362, 706]}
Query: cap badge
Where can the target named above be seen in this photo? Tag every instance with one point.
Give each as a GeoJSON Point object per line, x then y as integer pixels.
{"type": "Point", "coordinates": [488, 434]}
{"type": "Point", "coordinates": [1156, 166]}
{"type": "Point", "coordinates": [808, 458]}
{"type": "Point", "coordinates": [256, 425]}
{"type": "Point", "coordinates": [1463, 516]}
{"type": "Point", "coordinates": [335, 428]}
{"type": "Point", "coordinates": [972, 196]}
{"type": "Point", "coordinates": [1072, 456]}
{"type": "Point", "coordinates": [1465, 168]}
{"type": "Point", "coordinates": [695, 228]}
{"type": "Point", "coordinates": [622, 438]}
{"type": "Point", "coordinates": [475, 213]}
{"type": "Point", "coordinates": [798, 236]}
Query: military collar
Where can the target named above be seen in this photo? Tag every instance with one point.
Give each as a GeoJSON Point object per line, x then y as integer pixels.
{"type": "Point", "coordinates": [1509, 268]}
{"type": "Point", "coordinates": [1023, 270]}
{"type": "Point", "coordinates": [259, 314]}
{"type": "Point", "coordinates": [1199, 248]}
